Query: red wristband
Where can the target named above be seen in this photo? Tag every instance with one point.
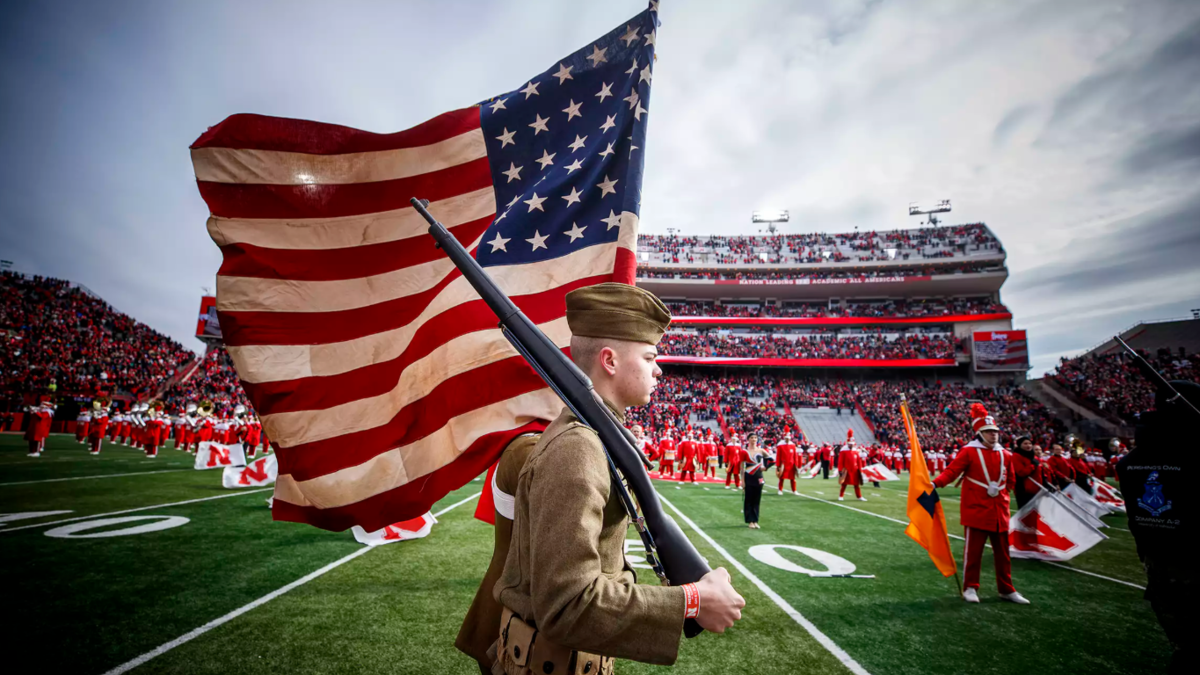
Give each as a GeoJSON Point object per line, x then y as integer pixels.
{"type": "Point", "coordinates": [692, 597]}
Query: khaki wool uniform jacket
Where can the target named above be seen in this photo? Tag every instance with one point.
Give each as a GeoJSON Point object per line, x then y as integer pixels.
{"type": "Point", "coordinates": [482, 623]}
{"type": "Point", "coordinates": [566, 572]}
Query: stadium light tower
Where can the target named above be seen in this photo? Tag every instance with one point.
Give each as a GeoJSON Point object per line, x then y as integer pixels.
{"type": "Point", "coordinates": [770, 217]}
{"type": "Point", "coordinates": [930, 209]}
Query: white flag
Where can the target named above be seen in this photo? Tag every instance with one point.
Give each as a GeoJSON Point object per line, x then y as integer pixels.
{"type": "Point", "coordinates": [1085, 501]}
{"type": "Point", "coordinates": [259, 472]}
{"type": "Point", "coordinates": [811, 470]}
{"type": "Point", "coordinates": [1108, 496]}
{"type": "Point", "coordinates": [218, 456]}
{"type": "Point", "coordinates": [878, 473]}
{"type": "Point", "coordinates": [1047, 529]}
{"type": "Point", "coordinates": [415, 528]}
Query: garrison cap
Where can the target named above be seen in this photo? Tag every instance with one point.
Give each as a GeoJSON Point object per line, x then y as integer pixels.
{"type": "Point", "coordinates": [617, 311]}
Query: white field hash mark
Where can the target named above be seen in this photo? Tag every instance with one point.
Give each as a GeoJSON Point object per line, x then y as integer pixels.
{"type": "Point", "coordinates": [193, 634]}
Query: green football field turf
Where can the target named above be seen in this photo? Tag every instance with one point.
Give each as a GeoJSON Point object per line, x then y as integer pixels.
{"type": "Point", "coordinates": [89, 605]}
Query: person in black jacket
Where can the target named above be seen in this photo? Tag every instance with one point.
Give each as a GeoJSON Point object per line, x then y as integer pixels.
{"type": "Point", "coordinates": [1157, 479]}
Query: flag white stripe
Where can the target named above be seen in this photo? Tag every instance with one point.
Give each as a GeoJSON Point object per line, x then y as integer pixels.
{"type": "Point", "coordinates": [274, 363]}
{"type": "Point", "coordinates": [349, 231]}
{"type": "Point", "coordinates": [397, 467]}
{"type": "Point", "coordinates": [274, 167]}
{"type": "Point", "coordinates": [454, 357]}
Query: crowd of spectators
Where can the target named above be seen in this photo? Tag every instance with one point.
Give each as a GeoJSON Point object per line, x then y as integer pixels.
{"type": "Point", "coordinates": [814, 346]}
{"type": "Point", "coordinates": [1111, 385]}
{"type": "Point", "coordinates": [941, 412]}
{"type": "Point", "coordinates": [817, 276]}
{"type": "Point", "coordinates": [215, 380]}
{"type": "Point", "coordinates": [750, 403]}
{"type": "Point", "coordinates": [923, 243]}
{"type": "Point", "coordinates": [57, 337]}
{"type": "Point", "coordinates": [821, 310]}
{"type": "Point", "coordinates": [746, 403]}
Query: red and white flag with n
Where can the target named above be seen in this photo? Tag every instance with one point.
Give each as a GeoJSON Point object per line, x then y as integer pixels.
{"type": "Point", "coordinates": [218, 456]}
{"type": "Point", "coordinates": [878, 473]}
{"type": "Point", "coordinates": [1108, 496]}
{"type": "Point", "coordinates": [259, 472]}
{"type": "Point", "coordinates": [1048, 529]}
{"type": "Point", "coordinates": [415, 528]}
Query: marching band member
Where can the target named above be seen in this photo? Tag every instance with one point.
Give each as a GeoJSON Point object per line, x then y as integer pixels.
{"type": "Point", "coordinates": [81, 425]}
{"type": "Point", "coordinates": [99, 423]}
{"type": "Point", "coordinates": [1060, 462]}
{"type": "Point", "coordinates": [826, 456]}
{"type": "Point", "coordinates": [733, 462]}
{"type": "Point", "coordinates": [156, 427]}
{"type": "Point", "coordinates": [666, 448]}
{"type": "Point", "coordinates": [752, 458]}
{"type": "Point", "coordinates": [786, 461]}
{"type": "Point", "coordinates": [710, 455]}
{"type": "Point", "coordinates": [984, 507]}
{"type": "Point", "coordinates": [850, 469]}
{"type": "Point", "coordinates": [40, 418]}
{"type": "Point", "coordinates": [643, 443]}
{"type": "Point", "coordinates": [688, 459]}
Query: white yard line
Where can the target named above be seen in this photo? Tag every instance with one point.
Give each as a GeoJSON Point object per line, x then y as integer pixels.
{"type": "Point", "coordinates": [105, 475]}
{"type": "Point", "coordinates": [140, 508]}
{"type": "Point", "coordinates": [193, 634]}
{"type": "Point", "coordinates": [838, 653]}
{"type": "Point", "coordinates": [901, 522]}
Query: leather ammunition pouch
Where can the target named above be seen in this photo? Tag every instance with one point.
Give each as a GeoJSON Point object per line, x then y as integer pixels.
{"type": "Point", "coordinates": [522, 650]}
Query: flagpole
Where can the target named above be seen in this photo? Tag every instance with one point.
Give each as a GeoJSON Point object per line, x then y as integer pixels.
{"type": "Point", "coordinates": [910, 428]}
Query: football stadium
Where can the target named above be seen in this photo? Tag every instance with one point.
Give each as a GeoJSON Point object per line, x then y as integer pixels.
{"type": "Point", "coordinates": [318, 477]}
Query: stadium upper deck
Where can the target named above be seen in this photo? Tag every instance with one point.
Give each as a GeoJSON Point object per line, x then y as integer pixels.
{"type": "Point", "coordinates": [960, 260]}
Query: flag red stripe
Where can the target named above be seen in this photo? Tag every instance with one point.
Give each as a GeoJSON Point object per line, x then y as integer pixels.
{"type": "Point", "coordinates": [248, 260]}
{"type": "Point", "coordinates": [262, 132]}
{"type": "Point", "coordinates": [452, 397]}
{"type": "Point", "coordinates": [234, 200]}
{"type": "Point", "coordinates": [625, 266]}
{"type": "Point", "coordinates": [311, 328]}
{"type": "Point", "coordinates": [371, 513]}
{"type": "Point", "coordinates": [319, 393]}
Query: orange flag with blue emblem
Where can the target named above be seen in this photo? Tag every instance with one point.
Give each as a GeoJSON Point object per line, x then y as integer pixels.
{"type": "Point", "coordinates": [926, 520]}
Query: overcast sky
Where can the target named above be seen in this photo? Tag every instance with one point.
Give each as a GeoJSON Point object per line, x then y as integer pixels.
{"type": "Point", "coordinates": [1071, 128]}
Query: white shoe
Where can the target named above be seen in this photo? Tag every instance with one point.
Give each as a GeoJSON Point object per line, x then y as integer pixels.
{"type": "Point", "coordinates": [93, 453]}
{"type": "Point", "coordinates": [841, 499]}
{"type": "Point", "coordinates": [781, 493]}
{"type": "Point", "coordinates": [34, 454]}
{"type": "Point", "coordinates": [1015, 597]}
{"type": "Point", "coordinates": [862, 499]}
{"type": "Point", "coordinates": [794, 492]}
{"type": "Point", "coordinates": [970, 595]}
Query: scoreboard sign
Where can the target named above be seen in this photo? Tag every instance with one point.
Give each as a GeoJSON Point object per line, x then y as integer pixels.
{"type": "Point", "coordinates": [207, 325]}
{"type": "Point", "coordinates": [1000, 350]}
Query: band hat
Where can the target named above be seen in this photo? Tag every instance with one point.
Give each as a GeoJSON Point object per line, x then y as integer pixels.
{"type": "Point", "coordinates": [981, 420]}
{"type": "Point", "coordinates": [618, 312]}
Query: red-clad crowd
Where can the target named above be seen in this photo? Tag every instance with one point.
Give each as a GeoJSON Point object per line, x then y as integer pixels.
{"type": "Point", "coordinates": [1110, 383]}
{"type": "Point", "coordinates": [815, 276]}
{"type": "Point", "coordinates": [215, 380]}
{"type": "Point", "coordinates": [744, 404]}
{"type": "Point", "coordinates": [56, 336]}
{"type": "Point", "coordinates": [776, 346]}
{"type": "Point", "coordinates": [929, 242]}
{"type": "Point", "coordinates": [821, 310]}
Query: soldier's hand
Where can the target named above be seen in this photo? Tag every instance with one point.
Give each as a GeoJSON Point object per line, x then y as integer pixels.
{"type": "Point", "coordinates": [720, 605]}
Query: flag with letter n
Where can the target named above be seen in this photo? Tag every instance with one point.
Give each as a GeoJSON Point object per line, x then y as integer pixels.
{"type": "Point", "coordinates": [1046, 528]}
{"type": "Point", "coordinates": [375, 367]}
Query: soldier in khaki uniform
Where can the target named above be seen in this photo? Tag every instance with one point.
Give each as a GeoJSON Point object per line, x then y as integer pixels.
{"type": "Point", "coordinates": [571, 602]}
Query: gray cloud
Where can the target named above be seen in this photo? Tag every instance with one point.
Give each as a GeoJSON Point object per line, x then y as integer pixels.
{"type": "Point", "coordinates": [1069, 126]}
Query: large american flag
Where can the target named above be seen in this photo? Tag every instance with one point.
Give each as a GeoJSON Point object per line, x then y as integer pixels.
{"type": "Point", "coordinates": [375, 367]}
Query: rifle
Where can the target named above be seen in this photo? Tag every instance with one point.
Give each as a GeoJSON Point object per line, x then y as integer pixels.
{"type": "Point", "coordinates": [1155, 378]}
{"type": "Point", "coordinates": [668, 551]}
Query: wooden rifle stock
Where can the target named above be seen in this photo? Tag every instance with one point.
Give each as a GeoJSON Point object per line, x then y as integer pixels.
{"type": "Point", "coordinates": [674, 559]}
